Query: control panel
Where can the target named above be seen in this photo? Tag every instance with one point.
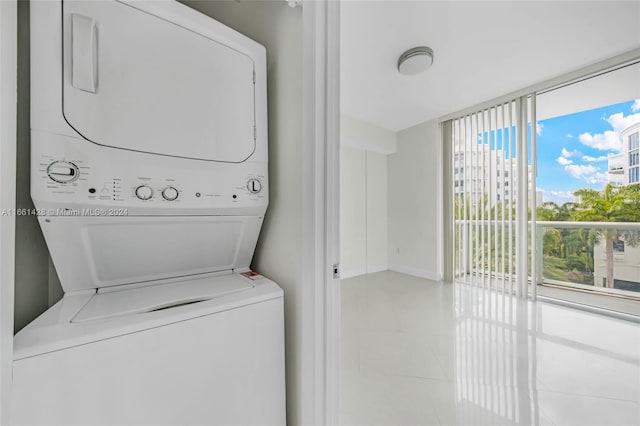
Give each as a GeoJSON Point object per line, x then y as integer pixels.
{"type": "Point", "coordinates": [70, 181]}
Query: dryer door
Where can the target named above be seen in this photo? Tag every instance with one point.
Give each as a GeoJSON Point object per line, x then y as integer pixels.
{"type": "Point", "coordinates": [135, 81]}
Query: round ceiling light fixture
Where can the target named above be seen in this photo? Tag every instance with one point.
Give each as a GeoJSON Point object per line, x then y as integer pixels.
{"type": "Point", "coordinates": [416, 60]}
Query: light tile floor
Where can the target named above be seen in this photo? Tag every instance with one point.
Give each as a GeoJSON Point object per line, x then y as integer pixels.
{"type": "Point", "coordinates": [419, 352]}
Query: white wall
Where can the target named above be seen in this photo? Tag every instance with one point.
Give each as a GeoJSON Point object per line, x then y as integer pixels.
{"type": "Point", "coordinates": [363, 196]}
{"type": "Point", "coordinates": [36, 283]}
{"type": "Point", "coordinates": [364, 135]}
{"type": "Point", "coordinates": [353, 205]}
{"type": "Point", "coordinates": [278, 255]}
{"type": "Point", "coordinates": [377, 222]}
{"type": "Point", "coordinates": [8, 48]}
{"type": "Point", "coordinates": [414, 208]}
{"type": "Point", "coordinates": [390, 200]}
{"type": "Point", "coordinates": [626, 265]}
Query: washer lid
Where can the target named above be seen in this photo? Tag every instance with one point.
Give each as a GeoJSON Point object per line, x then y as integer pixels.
{"type": "Point", "coordinates": [135, 81]}
{"type": "Point", "coordinates": [93, 252]}
{"type": "Point", "coordinates": [140, 300]}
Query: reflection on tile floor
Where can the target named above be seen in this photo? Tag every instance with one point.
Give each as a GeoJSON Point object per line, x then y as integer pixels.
{"type": "Point", "coordinates": [418, 352]}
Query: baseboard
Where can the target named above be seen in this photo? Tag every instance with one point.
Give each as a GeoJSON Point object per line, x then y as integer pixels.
{"type": "Point", "coordinates": [379, 268]}
{"type": "Point", "coordinates": [350, 273]}
{"type": "Point", "coordinates": [420, 273]}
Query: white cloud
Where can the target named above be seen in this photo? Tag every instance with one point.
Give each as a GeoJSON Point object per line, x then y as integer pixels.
{"type": "Point", "coordinates": [619, 121]}
{"type": "Point", "coordinates": [569, 135]}
{"type": "Point", "coordinates": [594, 159]}
{"type": "Point", "coordinates": [564, 161]}
{"type": "Point", "coordinates": [567, 154]}
{"type": "Point", "coordinates": [580, 171]}
{"type": "Point", "coordinates": [636, 105]}
{"type": "Point", "coordinates": [539, 127]}
{"type": "Point", "coordinates": [607, 141]}
{"type": "Point", "coordinates": [588, 173]}
{"type": "Point", "coordinates": [597, 178]}
{"type": "Point", "coordinates": [565, 194]}
{"type": "Point", "coordinates": [558, 197]}
{"type": "Point", "coordinates": [611, 140]}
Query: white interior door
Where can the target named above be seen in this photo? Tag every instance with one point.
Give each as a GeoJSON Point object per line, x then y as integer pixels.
{"type": "Point", "coordinates": [135, 81]}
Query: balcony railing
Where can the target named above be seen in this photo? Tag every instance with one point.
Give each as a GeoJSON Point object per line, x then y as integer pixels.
{"type": "Point", "coordinates": [625, 256]}
{"type": "Point", "coordinates": [565, 265]}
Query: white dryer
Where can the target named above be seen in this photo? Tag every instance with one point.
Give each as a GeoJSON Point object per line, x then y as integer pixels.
{"type": "Point", "coordinates": [149, 175]}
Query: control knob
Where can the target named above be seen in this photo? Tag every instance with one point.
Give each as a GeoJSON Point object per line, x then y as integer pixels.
{"type": "Point", "coordinates": [254, 185]}
{"type": "Point", "coordinates": [170, 193]}
{"type": "Point", "coordinates": [144, 192]}
{"type": "Point", "coordinates": [63, 172]}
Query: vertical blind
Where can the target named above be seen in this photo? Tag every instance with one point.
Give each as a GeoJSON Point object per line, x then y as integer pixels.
{"type": "Point", "coordinates": [493, 185]}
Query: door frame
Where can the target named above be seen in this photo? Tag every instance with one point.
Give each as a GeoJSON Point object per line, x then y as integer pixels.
{"type": "Point", "coordinates": [320, 302]}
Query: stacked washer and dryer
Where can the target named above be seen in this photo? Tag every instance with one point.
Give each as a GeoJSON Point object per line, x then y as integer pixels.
{"type": "Point", "coordinates": [149, 172]}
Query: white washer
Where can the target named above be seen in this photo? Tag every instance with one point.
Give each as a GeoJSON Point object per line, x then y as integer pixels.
{"type": "Point", "coordinates": [149, 173]}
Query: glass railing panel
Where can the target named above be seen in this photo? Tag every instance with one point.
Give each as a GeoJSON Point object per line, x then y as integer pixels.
{"type": "Point", "coordinates": [600, 256]}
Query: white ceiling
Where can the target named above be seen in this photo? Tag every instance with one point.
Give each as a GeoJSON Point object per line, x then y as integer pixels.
{"type": "Point", "coordinates": [482, 50]}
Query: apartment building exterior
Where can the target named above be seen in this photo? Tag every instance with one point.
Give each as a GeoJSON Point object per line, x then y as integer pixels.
{"type": "Point", "coordinates": [624, 169]}
{"type": "Point", "coordinates": [490, 174]}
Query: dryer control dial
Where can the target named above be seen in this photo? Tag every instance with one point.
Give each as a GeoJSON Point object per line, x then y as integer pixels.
{"type": "Point", "coordinates": [144, 192]}
{"type": "Point", "coordinates": [63, 172]}
{"type": "Point", "coordinates": [170, 193]}
{"type": "Point", "coordinates": [254, 185]}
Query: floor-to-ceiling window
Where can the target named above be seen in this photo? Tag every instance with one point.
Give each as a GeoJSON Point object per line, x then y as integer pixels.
{"type": "Point", "coordinates": [556, 203]}
{"type": "Point", "coordinates": [589, 230]}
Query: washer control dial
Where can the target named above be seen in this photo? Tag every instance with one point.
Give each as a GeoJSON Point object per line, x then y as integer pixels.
{"type": "Point", "coordinates": [144, 192]}
{"type": "Point", "coordinates": [170, 193]}
{"type": "Point", "coordinates": [63, 172]}
{"type": "Point", "coordinates": [254, 185]}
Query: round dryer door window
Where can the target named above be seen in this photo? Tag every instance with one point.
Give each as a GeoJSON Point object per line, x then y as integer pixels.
{"type": "Point", "coordinates": [139, 82]}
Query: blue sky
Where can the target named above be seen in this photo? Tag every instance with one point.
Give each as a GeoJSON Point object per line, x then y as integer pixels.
{"type": "Point", "coordinates": [573, 149]}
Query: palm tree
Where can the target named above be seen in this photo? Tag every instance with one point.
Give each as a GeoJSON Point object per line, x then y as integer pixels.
{"type": "Point", "coordinates": [551, 242]}
{"type": "Point", "coordinates": [565, 211]}
{"type": "Point", "coordinates": [613, 204]}
{"type": "Point", "coordinates": [548, 211]}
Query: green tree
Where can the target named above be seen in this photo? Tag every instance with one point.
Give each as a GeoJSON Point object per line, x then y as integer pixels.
{"type": "Point", "coordinates": [547, 212]}
{"type": "Point", "coordinates": [551, 242]}
{"type": "Point", "coordinates": [613, 204]}
{"type": "Point", "coordinates": [565, 211]}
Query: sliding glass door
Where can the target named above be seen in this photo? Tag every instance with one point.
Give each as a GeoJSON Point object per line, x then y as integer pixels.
{"type": "Point", "coordinates": [589, 232]}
